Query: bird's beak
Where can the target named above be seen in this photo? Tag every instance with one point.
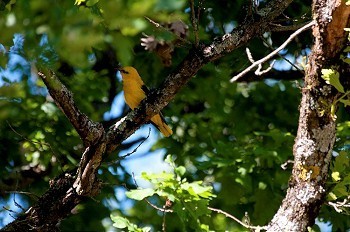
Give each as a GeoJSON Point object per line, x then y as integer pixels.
{"type": "Point", "coordinates": [118, 67]}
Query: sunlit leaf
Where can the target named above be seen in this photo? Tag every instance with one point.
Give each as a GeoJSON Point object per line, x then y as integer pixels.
{"type": "Point", "coordinates": [336, 176]}
{"type": "Point", "coordinates": [332, 77]}
{"type": "Point", "coordinates": [139, 194]}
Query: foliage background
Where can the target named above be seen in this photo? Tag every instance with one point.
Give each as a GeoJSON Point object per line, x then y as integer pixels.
{"type": "Point", "coordinates": [234, 137]}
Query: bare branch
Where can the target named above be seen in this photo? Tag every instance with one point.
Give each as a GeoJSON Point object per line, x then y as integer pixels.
{"type": "Point", "coordinates": [273, 74]}
{"type": "Point", "coordinates": [266, 58]}
{"type": "Point", "coordinates": [284, 58]}
{"type": "Point", "coordinates": [194, 20]}
{"type": "Point", "coordinates": [257, 228]}
{"type": "Point", "coordinates": [278, 27]}
{"type": "Point", "coordinates": [32, 195]}
{"type": "Point", "coordinates": [285, 164]}
{"type": "Point", "coordinates": [158, 25]}
{"type": "Point", "coordinates": [31, 140]}
{"type": "Point", "coordinates": [133, 151]}
{"type": "Point", "coordinates": [340, 205]}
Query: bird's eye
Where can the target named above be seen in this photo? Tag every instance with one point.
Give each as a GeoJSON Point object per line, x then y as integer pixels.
{"type": "Point", "coordinates": [123, 71]}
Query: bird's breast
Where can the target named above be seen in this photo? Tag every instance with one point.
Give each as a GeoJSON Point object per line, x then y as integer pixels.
{"type": "Point", "coordinates": [133, 95]}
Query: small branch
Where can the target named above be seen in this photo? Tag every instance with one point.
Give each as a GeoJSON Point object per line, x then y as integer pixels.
{"type": "Point", "coordinates": [133, 151]}
{"type": "Point", "coordinates": [285, 164]}
{"type": "Point", "coordinates": [158, 25]}
{"type": "Point", "coordinates": [278, 27]}
{"type": "Point", "coordinates": [158, 208]}
{"type": "Point", "coordinates": [288, 61]}
{"type": "Point", "coordinates": [339, 205]}
{"type": "Point", "coordinates": [266, 58]}
{"type": "Point", "coordinates": [194, 21]}
{"type": "Point", "coordinates": [152, 205]}
{"type": "Point", "coordinates": [32, 195]}
{"type": "Point", "coordinates": [88, 130]}
{"type": "Point", "coordinates": [31, 140]}
{"type": "Point", "coordinates": [273, 74]}
{"type": "Point", "coordinates": [258, 71]}
{"type": "Point", "coordinates": [257, 228]}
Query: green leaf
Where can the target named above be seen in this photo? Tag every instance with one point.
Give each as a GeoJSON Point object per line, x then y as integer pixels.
{"type": "Point", "coordinates": [78, 2]}
{"type": "Point", "coordinates": [181, 170]}
{"type": "Point", "coordinates": [156, 177]}
{"type": "Point", "coordinates": [332, 77]}
{"type": "Point", "coordinates": [332, 196]}
{"type": "Point", "coordinates": [140, 194]}
{"type": "Point", "coordinates": [341, 162]}
{"type": "Point", "coordinates": [336, 176]}
{"type": "Point", "coordinates": [120, 222]}
{"type": "Point", "coordinates": [92, 2]}
{"type": "Point", "coordinates": [169, 159]}
{"type": "Point", "coordinates": [346, 102]}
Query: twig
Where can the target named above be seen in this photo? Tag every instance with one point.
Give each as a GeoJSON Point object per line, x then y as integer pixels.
{"type": "Point", "coordinates": [152, 205]}
{"type": "Point", "coordinates": [10, 211]}
{"type": "Point", "coordinates": [284, 165]}
{"type": "Point", "coordinates": [249, 55]}
{"type": "Point", "coordinates": [164, 222]}
{"type": "Point", "coordinates": [258, 71]}
{"type": "Point", "coordinates": [288, 61]}
{"type": "Point", "coordinates": [337, 205]}
{"type": "Point", "coordinates": [133, 151]}
{"type": "Point", "coordinates": [32, 141]}
{"type": "Point", "coordinates": [258, 228]}
{"type": "Point", "coordinates": [269, 56]}
{"type": "Point", "coordinates": [14, 198]}
{"type": "Point", "coordinates": [194, 20]}
{"type": "Point", "coordinates": [278, 27]}
{"type": "Point", "coordinates": [158, 208]}
{"type": "Point", "coordinates": [158, 25]}
{"type": "Point", "coordinates": [34, 196]}
{"type": "Point", "coordinates": [153, 22]}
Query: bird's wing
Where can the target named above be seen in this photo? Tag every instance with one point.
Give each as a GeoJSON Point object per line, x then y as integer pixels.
{"type": "Point", "coordinates": [145, 89]}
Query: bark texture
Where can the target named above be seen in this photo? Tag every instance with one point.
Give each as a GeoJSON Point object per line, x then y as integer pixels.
{"type": "Point", "coordinates": [317, 127]}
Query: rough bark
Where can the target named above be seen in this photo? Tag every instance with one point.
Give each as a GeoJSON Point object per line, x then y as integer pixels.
{"type": "Point", "coordinates": [317, 127]}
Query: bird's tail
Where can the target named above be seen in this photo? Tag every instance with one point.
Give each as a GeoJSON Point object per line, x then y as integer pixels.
{"type": "Point", "coordinates": [159, 122]}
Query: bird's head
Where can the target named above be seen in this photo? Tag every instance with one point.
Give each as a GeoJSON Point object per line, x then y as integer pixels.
{"type": "Point", "coordinates": [127, 70]}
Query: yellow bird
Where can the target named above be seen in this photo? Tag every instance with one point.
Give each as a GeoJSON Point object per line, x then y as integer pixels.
{"type": "Point", "coordinates": [135, 91]}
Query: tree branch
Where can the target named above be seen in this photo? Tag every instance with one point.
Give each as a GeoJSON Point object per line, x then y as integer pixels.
{"type": "Point", "coordinates": [256, 228]}
{"type": "Point", "coordinates": [88, 130]}
{"type": "Point", "coordinates": [289, 75]}
{"type": "Point", "coordinates": [272, 54]}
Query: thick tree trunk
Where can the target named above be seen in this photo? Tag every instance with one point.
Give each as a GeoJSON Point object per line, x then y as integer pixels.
{"type": "Point", "coordinates": [316, 133]}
